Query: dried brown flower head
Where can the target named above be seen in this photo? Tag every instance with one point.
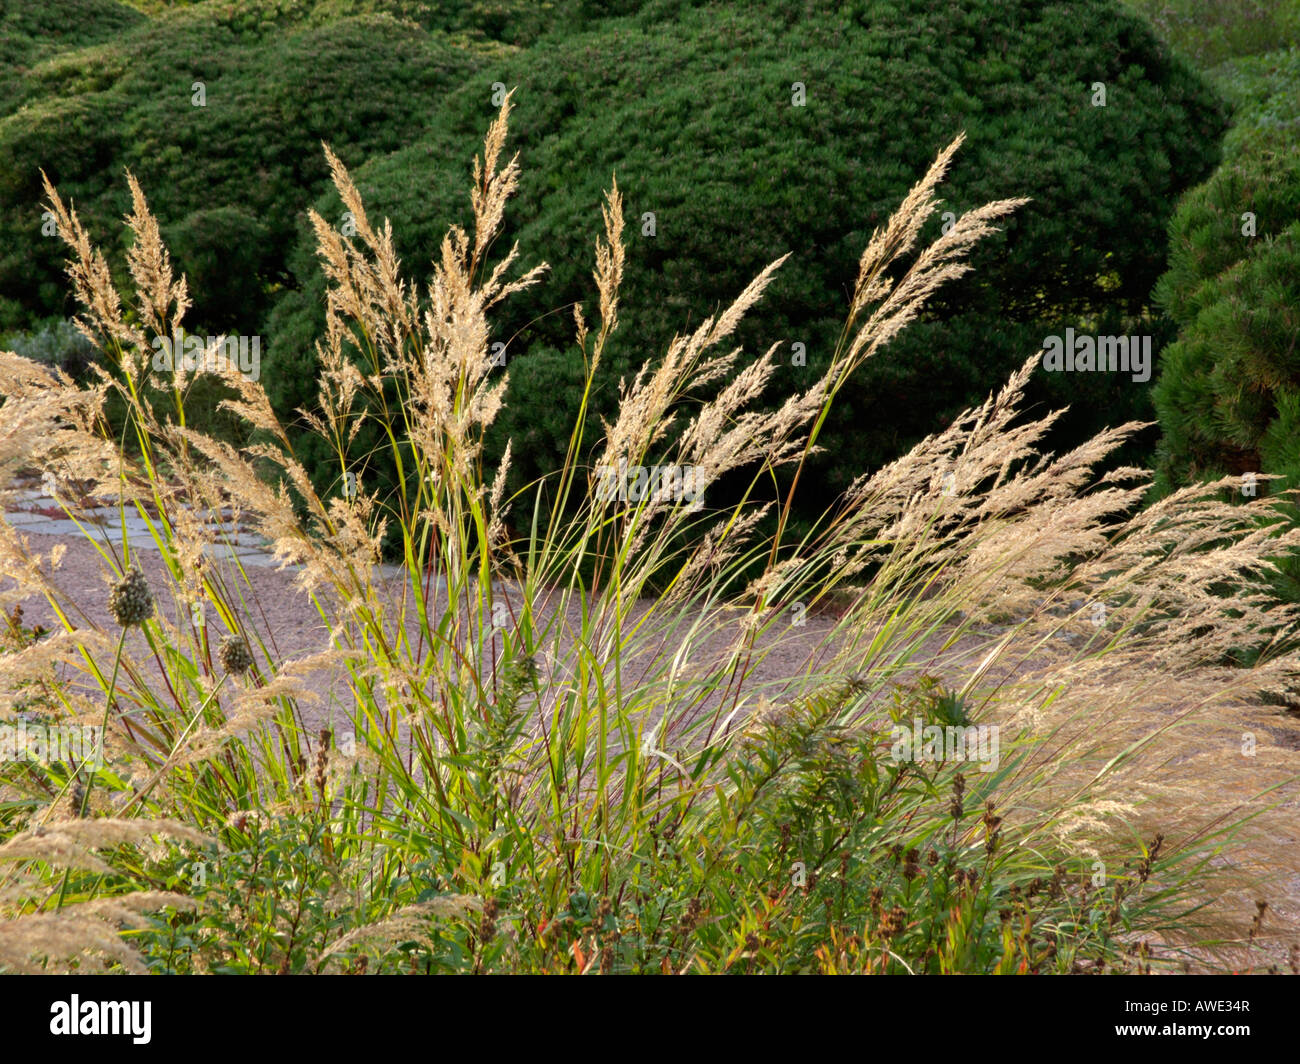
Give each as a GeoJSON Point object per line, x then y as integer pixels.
{"type": "Point", "coordinates": [234, 655]}
{"type": "Point", "coordinates": [131, 601]}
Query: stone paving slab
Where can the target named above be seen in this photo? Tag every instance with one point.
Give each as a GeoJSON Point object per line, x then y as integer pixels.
{"type": "Point", "coordinates": [110, 525]}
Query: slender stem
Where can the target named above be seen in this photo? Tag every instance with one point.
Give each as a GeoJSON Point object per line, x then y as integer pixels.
{"type": "Point", "coordinates": [103, 734]}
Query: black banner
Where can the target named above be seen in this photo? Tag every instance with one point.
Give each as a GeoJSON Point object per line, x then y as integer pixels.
{"type": "Point", "coordinates": [152, 1015]}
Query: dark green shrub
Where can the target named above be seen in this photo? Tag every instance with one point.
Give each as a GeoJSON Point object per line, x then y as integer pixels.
{"type": "Point", "coordinates": [32, 31]}
{"type": "Point", "coordinates": [57, 344]}
{"type": "Point", "coordinates": [692, 106]}
{"type": "Point", "coordinates": [1230, 385]}
{"type": "Point", "coordinates": [229, 179]}
{"type": "Point", "coordinates": [692, 109]}
{"type": "Point", "coordinates": [1212, 31]}
{"type": "Point", "coordinates": [511, 21]}
{"type": "Point", "coordinates": [1228, 391]}
{"type": "Point", "coordinates": [1206, 235]}
{"type": "Point", "coordinates": [1225, 387]}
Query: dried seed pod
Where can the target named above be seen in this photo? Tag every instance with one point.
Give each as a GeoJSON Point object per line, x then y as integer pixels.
{"type": "Point", "coordinates": [234, 655]}
{"type": "Point", "coordinates": [131, 601]}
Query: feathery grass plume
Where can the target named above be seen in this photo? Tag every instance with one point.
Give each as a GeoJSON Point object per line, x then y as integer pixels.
{"type": "Point", "coordinates": [55, 848]}
{"type": "Point", "coordinates": [69, 843]}
{"type": "Point", "coordinates": [40, 943]}
{"type": "Point", "coordinates": [409, 922]}
{"type": "Point", "coordinates": [521, 719]}
{"type": "Point", "coordinates": [161, 300]}
{"type": "Point", "coordinates": [92, 284]}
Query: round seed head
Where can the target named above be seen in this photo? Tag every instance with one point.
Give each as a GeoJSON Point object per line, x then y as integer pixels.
{"type": "Point", "coordinates": [234, 655]}
{"type": "Point", "coordinates": [131, 602]}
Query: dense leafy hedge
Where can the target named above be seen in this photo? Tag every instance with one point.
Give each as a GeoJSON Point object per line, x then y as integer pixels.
{"type": "Point", "coordinates": [511, 21]}
{"type": "Point", "coordinates": [1228, 393]}
{"type": "Point", "coordinates": [1228, 389]}
{"type": "Point", "coordinates": [692, 109]}
{"type": "Point", "coordinates": [230, 179]}
{"type": "Point", "coordinates": [1212, 31]}
{"type": "Point", "coordinates": [692, 106]}
{"type": "Point", "coordinates": [32, 31]}
{"type": "Point", "coordinates": [1229, 396]}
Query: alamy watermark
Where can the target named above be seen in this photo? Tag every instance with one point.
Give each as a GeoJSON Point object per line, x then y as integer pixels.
{"type": "Point", "coordinates": [629, 483]}
{"type": "Point", "coordinates": [192, 353]}
{"type": "Point", "coordinates": [75, 743]}
{"type": "Point", "coordinates": [1098, 354]}
{"type": "Point", "coordinates": [934, 742]}
{"type": "Point", "coordinates": [77, 1017]}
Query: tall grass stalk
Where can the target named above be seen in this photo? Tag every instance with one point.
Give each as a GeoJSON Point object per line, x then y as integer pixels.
{"type": "Point", "coordinates": [540, 765]}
